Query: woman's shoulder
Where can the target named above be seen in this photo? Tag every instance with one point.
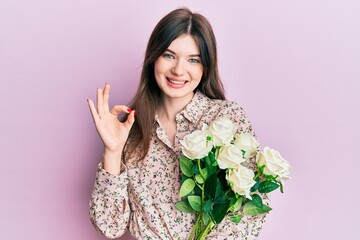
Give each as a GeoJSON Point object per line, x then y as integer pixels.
{"type": "Point", "coordinates": [227, 106]}
{"type": "Point", "coordinates": [231, 110]}
{"type": "Point", "coordinates": [207, 110]}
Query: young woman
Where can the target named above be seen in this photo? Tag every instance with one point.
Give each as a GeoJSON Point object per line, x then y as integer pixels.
{"type": "Point", "coordinates": [138, 181]}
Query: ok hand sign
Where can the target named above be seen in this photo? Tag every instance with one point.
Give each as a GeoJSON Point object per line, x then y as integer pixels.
{"type": "Point", "coordinates": [112, 132]}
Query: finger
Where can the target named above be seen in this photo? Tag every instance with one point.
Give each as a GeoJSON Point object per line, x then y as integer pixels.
{"type": "Point", "coordinates": [106, 97]}
{"type": "Point", "coordinates": [93, 111]}
{"type": "Point", "coordinates": [130, 120]}
{"type": "Point", "coordinates": [117, 109]}
{"type": "Point", "coordinates": [100, 102]}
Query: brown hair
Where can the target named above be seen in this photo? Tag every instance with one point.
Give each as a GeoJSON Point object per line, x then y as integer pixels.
{"type": "Point", "coordinates": [178, 22]}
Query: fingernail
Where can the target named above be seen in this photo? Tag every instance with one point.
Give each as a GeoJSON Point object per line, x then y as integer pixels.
{"type": "Point", "coordinates": [134, 113]}
{"type": "Point", "coordinates": [129, 110]}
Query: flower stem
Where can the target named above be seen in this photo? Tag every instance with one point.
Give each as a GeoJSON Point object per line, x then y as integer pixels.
{"type": "Point", "coordinates": [207, 230]}
{"type": "Point", "coordinates": [257, 175]}
{"type": "Point", "coordinates": [201, 172]}
{"type": "Point", "coordinates": [200, 186]}
{"type": "Point", "coordinates": [200, 231]}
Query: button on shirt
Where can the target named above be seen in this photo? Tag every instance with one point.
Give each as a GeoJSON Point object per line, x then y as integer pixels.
{"type": "Point", "coordinates": [142, 198]}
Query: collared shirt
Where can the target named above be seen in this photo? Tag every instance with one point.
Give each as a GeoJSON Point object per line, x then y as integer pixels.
{"type": "Point", "coordinates": [142, 198]}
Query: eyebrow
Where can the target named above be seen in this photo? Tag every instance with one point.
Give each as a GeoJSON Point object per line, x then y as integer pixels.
{"type": "Point", "coordinates": [191, 55]}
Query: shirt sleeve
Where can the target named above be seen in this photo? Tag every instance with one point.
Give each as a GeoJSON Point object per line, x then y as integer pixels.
{"type": "Point", "coordinates": [109, 205]}
{"type": "Point", "coordinates": [250, 226]}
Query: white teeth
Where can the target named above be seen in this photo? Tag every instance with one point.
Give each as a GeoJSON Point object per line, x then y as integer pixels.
{"type": "Point", "coordinates": [177, 82]}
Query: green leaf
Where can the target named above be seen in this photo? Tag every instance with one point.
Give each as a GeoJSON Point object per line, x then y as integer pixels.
{"type": "Point", "coordinates": [267, 186]}
{"type": "Point", "coordinates": [195, 202]}
{"type": "Point", "coordinates": [199, 179]}
{"type": "Point", "coordinates": [183, 178]}
{"type": "Point", "coordinates": [281, 187]}
{"type": "Point", "coordinates": [195, 169]}
{"type": "Point", "coordinates": [210, 186]}
{"type": "Point", "coordinates": [187, 186]}
{"type": "Point", "coordinates": [212, 218]}
{"type": "Point", "coordinates": [206, 218]}
{"type": "Point", "coordinates": [251, 210]}
{"type": "Point", "coordinates": [219, 211]}
{"type": "Point", "coordinates": [232, 200]}
{"type": "Point", "coordinates": [208, 206]}
{"type": "Point", "coordinates": [224, 183]}
{"type": "Point", "coordinates": [198, 191]}
{"type": "Point", "coordinates": [205, 172]}
{"type": "Point", "coordinates": [184, 207]}
{"type": "Point", "coordinates": [271, 177]}
{"type": "Point", "coordinates": [237, 205]}
{"type": "Point", "coordinates": [236, 218]}
{"type": "Point", "coordinates": [219, 192]}
{"type": "Point", "coordinates": [186, 166]}
{"type": "Point", "coordinates": [257, 201]}
{"type": "Point", "coordinates": [256, 185]}
{"type": "Point", "coordinates": [210, 169]}
{"type": "Point", "coordinates": [207, 160]}
{"type": "Point", "coordinates": [261, 168]}
{"type": "Point", "coordinates": [220, 196]}
{"type": "Point", "coordinates": [212, 157]}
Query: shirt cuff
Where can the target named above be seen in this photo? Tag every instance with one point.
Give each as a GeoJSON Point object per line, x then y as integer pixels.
{"type": "Point", "coordinates": [111, 185]}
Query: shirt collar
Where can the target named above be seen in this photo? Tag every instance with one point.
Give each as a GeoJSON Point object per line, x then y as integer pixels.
{"type": "Point", "coordinates": [194, 109]}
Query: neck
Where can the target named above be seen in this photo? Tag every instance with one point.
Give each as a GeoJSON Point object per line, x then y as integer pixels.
{"type": "Point", "coordinates": [172, 106]}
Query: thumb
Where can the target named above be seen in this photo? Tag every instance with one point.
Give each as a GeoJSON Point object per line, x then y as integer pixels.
{"type": "Point", "coordinates": [130, 120]}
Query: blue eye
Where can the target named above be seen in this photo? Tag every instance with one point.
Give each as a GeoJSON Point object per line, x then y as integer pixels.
{"type": "Point", "coordinates": [168, 55]}
{"type": "Point", "coordinates": [193, 60]}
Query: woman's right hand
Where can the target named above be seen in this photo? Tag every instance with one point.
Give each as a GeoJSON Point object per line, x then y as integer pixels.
{"type": "Point", "coordinates": [112, 132]}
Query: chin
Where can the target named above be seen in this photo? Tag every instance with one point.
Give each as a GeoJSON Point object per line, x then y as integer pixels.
{"type": "Point", "coordinates": [178, 94]}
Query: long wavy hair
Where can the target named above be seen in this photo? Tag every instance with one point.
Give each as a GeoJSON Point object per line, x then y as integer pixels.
{"type": "Point", "coordinates": [148, 95]}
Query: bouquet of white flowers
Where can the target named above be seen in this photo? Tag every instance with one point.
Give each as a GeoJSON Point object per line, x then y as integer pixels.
{"type": "Point", "coordinates": [216, 182]}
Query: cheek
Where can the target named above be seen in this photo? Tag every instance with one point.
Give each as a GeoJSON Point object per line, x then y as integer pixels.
{"type": "Point", "coordinates": [198, 73]}
{"type": "Point", "coordinates": [156, 67]}
{"type": "Point", "coordinates": [161, 66]}
{"type": "Point", "coordinates": [157, 73]}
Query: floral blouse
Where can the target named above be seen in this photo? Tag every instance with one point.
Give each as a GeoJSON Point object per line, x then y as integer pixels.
{"type": "Point", "coordinates": [142, 198]}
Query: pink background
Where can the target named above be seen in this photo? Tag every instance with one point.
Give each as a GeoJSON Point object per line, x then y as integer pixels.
{"type": "Point", "coordinates": [293, 65]}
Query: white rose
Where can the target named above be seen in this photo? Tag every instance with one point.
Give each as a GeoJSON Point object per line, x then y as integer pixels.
{"type": "Point", "coordinates": [195, 145]}
{"type": "Point", "coordinates": [275, 165]}
{"type": "Point", "coordinates": [248, 143]}
{"type": "Point", "coordinates": [222, 131]}
{"type": "Point", "coordinates": [229, 156]}
{"type": "Point", "coordinates": [241, 180]}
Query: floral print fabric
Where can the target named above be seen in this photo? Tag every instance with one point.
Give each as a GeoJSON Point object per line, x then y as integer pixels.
{"type": "Point", "coordinates": [142, 198]}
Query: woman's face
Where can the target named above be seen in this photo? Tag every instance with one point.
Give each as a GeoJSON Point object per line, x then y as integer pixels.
{"type": "Point", "coordinates": [179, 69]}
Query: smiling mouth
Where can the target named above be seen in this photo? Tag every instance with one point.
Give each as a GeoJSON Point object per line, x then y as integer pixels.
{"type": "Point", "coordinates": [177, 82]}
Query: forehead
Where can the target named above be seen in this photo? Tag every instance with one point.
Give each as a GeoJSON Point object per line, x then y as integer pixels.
{"type": "Point", "coordinates": [185, 44]}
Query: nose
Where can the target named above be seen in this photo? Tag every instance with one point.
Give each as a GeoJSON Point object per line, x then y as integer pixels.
{"type": "Point", "coordinates": [178, 68]}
